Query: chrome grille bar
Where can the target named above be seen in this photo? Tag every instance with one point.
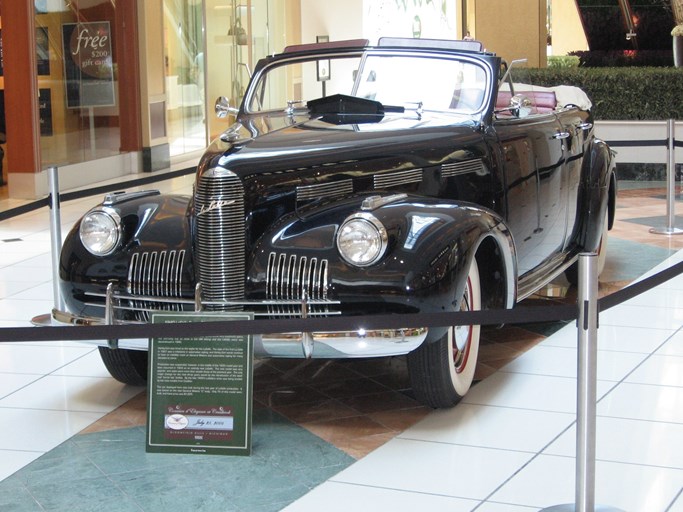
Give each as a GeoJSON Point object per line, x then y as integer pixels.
{"type": "Point", "coordinates": [324, 190]}
{"type": "Point", "coordinates": [156, 273]}
{"type": "Point", "coordinates": [152, 277]}
{"type": "Point", "coordinates": [459, 168]}
{"type": "Point", "coordinates": [291, 278]}
{"type": "Point", "coordinates": [396, 179]}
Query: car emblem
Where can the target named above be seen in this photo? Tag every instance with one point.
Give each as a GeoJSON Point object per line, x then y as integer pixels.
{"type": "Point", "coordinates": [214, 205]}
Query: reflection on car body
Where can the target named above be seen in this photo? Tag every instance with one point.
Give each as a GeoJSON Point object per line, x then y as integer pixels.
{"type": "Point", "coordinates": [413, 179]}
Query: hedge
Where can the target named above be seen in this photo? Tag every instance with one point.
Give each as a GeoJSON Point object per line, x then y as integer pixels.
{"type": "Point", "coordinates": [623, 58]}
{"type": "Point", "coordinates": [627, 94]}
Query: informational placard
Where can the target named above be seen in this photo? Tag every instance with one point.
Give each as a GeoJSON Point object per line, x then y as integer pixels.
{"type": "Point", "coordinates": [200, 390]}
{"type": "Point", "coordinates": [88, 65]}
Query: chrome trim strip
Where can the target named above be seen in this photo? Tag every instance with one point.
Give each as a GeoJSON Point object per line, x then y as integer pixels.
{"type": "Point", "coordinates": [115, 198]}
{"type": "Point", "coordinates": [162, 300]}
{"type": "Point", "coordinates": [460, 168]}
{"type": "Point", "coordinates": [324, 190]}
{"type": "Point", "coordinates": [398, 178]}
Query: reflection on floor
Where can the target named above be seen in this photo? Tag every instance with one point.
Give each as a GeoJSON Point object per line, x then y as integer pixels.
{"type": "Point", "coordinates": [358, 410]}
{"type": "Point", "coordinates": [359, 405]}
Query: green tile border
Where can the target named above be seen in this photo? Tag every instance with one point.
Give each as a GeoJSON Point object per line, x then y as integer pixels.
{"type": "Point", "coordinates": [110, 471]}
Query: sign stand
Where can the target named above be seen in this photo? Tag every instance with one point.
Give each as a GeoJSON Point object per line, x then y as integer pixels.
{"type": "Point", "coordinates": [200, 389]}
{"type": "Point", "coordinates": [91, 116]}
{"type": "Point", "coordinates": [586, 391]}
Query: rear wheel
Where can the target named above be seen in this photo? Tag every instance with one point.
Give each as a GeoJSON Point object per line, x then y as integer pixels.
{"type": "Point", "coordinates": [127, 366]}
{"type": "Point", "coordinates": [442, 372]}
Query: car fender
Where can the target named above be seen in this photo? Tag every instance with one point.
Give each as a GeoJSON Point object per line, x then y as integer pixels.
{"type": "Point", "coordinates": [430, 247]}
{"type": "Point", "coordinates": [597, 196]}
{"type": "Point", "coordinates": [150, 223]}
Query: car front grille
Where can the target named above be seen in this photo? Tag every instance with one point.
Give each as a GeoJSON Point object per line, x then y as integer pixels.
{"type": "Point", "coordinates": [296, 278]}
{"type": "Point", "coordinates": [155, 274]}
{"type": "Point", "coordinates": [220, 237]}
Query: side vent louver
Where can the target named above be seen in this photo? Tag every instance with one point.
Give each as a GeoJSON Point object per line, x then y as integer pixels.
{"type": "Point", "coordinates": [397, 179]}
{"type": "Point", "coordinates": [324, 190]}
{"type": "Point", "coordinates": [460, 168]}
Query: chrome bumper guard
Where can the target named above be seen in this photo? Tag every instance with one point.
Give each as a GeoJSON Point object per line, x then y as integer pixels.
{"type": "Point", "coordinates": [333, 344]}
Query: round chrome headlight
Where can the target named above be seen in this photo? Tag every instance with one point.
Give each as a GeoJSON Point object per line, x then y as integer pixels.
{"type": "Point", "coordinates": [362, 240]}
{"type": "Point", "coordinates": [100, 231]}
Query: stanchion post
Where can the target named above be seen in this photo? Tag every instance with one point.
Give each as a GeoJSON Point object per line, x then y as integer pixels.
{"type": "Point", "coordinates": [55, 234]}
{"type": "Point", "coordinates": [670, 228]}
{"type": "Point", "coordinates": [586, 392]}
{"type": "Point", "coordinates": [587, 382]}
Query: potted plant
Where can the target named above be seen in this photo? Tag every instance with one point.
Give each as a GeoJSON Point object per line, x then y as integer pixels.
{"type": "Point", "coordinates": [677, 35]}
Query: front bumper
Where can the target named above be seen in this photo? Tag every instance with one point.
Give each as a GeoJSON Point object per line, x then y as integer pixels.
{"type": "Point", "coordinates": [324, 344]}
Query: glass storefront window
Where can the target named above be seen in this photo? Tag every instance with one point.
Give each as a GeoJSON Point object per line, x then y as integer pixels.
{"type": "Point", "coordinates": [77, 80]}
{"type": "Point", "coordinates": [239, 33]}
{"type": "Point", "coordinates": [185, 67]}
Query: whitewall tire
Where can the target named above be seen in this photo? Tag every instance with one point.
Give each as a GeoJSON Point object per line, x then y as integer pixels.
{"type": "Point", "coordinates": [442, 372]}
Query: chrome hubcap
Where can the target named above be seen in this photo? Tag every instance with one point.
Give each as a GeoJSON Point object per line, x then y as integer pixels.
{"type": "Point", "coordinates": [462, 334]}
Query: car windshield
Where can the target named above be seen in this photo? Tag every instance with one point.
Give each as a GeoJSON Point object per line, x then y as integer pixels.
{"type": "Point", "coordinates": [440, 83]}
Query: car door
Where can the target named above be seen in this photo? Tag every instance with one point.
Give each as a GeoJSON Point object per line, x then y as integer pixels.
{"type": "Point", "coordinates": [533, 161]}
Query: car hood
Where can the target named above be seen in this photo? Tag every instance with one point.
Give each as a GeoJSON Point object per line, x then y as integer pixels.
{"type": "Point", "coordinates": [270, 143]}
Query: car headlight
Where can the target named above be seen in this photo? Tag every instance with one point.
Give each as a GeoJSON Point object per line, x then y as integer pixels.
{"type": "Point", "coordinates": [362, 240]}
{"type": "Point", "coordinates": [100, 231]}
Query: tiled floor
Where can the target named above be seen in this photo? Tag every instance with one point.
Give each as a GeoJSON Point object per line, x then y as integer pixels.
{"type": "Point", "coordinates": [507, 447]}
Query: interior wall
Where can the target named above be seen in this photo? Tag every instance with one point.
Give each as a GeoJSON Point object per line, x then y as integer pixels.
{"type": "Point", "coordinates": [567, 30]}
{"type": "Point", "coordinates": [291, 24]}
{"type": "Point", "coordinates": [519, 31]}
{"type": "Point", "coordinates": [152, 76]}
{"type": "Point", "coordinates": [338, 20]}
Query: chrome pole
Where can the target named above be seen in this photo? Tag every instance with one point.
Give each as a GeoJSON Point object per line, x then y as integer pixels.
{"type": "Point", "coordinates": [55, 235]}
{"type": "Point", "coordinates": [670, 228]}
{"type": "Point", "coordinates": [586, 392]}
{"type": "Point", "coordinates": [587, 382]}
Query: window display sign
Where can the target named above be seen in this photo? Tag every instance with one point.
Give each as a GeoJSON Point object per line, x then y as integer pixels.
{"type": "Point", "coordinates": [45, 110]}
{"type": "Point", "coordinates": [88, 65]}
{"type": "Point", "coordinates": [200, 390]}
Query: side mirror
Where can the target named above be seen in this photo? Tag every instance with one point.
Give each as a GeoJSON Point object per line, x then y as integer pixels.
{"type": "Point", "coordinates": [520, 105]}
{"type": "Point", "coordinates": [223, 109]}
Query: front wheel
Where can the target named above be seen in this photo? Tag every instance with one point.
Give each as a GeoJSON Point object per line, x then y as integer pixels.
{"type": "Point", "coordinates": [127, 366]}
{"type": "Point", "coordinates": [442, 372]}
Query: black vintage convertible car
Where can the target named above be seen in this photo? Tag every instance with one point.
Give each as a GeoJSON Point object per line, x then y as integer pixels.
{"type": "Point", "coordinates": [412, 176]}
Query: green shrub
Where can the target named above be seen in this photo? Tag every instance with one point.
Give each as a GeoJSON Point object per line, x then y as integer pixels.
{"type": "Point", "coordinates": [563, 61]}
{"type": "Point", "coordinates": [627, 94]}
